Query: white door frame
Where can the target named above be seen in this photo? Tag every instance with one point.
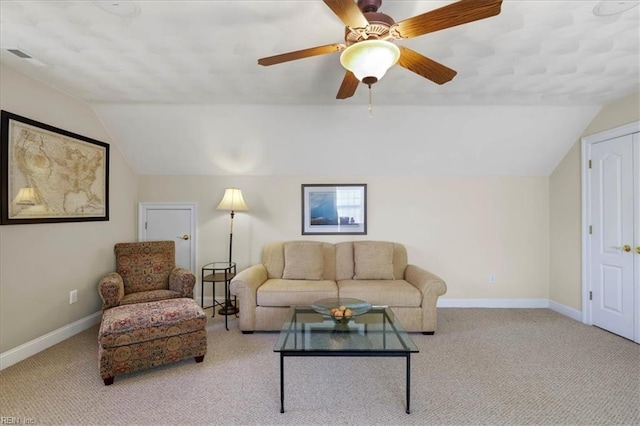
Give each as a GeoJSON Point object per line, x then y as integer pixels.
{"type": "Point", "coordinates": [158, 206]}
{"type": "Point", "coordinates": [587, 142]}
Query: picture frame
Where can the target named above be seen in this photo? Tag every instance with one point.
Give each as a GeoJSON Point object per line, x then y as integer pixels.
{"type": "Point", "coordinates": [334, 209]}
{"type": "Point", "coordinates": [50, 175]}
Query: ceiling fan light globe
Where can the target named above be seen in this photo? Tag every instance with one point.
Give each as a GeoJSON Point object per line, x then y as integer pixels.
{"type": "Point", "coordinates": [370, 59]}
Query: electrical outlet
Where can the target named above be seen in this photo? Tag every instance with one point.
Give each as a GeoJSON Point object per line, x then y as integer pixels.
{"type": "Point", "coordinates": [73, 296]}
{"type": "Point", "coordinates": [492, 278]}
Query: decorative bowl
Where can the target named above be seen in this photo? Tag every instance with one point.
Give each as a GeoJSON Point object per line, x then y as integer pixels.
{"type": "Point", "coordinates": [341, 310]}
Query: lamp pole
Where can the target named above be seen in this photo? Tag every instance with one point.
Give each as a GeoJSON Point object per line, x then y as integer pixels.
{"type": "Point", "coordinates": [231, 236]}
{"type": "Point", "coordinates": [232, 201]}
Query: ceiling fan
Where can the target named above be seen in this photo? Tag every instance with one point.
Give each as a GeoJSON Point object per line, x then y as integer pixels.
{"type": "Point", "coordinates": [368, 51]}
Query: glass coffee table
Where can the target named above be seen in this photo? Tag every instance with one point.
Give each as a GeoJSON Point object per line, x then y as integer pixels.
{"type": "Point", "coordinates": [376, 333]}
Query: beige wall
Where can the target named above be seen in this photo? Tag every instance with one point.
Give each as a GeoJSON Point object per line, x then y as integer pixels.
{"type": "Point", "coordinates": [460, 228]}
{"type": "Point", "coordinates": [41, 263]}
{"type": "Point", "coordinates": [565, 206]}
{"type": "Point", "coordinates": [525, 230]}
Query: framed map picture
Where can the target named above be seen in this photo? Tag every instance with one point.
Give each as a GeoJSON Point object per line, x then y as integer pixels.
{"type": "Point", "coordinates": [334, 209]}
{"type": "Point", "coordinates": [51, 175]}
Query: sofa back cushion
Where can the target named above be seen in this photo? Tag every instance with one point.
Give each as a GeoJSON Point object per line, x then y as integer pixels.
{"type": "Point", "coordinates": [273, 258]}
{"type": "Point", "coordinates": [372, 260]}
{"type": "Point", "coordinates": [303, 260]}
{"type": "Point", "coordinates": [346, 268]}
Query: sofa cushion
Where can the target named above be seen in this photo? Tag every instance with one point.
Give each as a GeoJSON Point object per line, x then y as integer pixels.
{"type": "Point", "coordinates": [149, 296]}
{"type": "Point", "coordinates": [344, 261]}
{"type": "Point", "coordinates": [273, 260]}
{"type": "Point", "coordinates": [373, 260]}
{"type": "Point", "coordinates": [277, 292]}
{"type": "Point", "coordinates": [381, 292]}
{"type": "Point", "coordinates": [303, 261]}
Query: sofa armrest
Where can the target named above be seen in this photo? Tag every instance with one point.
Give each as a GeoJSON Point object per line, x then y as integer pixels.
{"type": "Point", "coordinates": [245, 286]}
{"type": "Point", "coordinates": [182, 281]}
{"type": "Point", "coordinates": [111, 290]}
{"type": "Point", "coordinates": [431, 286]}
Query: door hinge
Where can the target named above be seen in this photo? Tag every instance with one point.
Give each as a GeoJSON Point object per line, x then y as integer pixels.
{"type": "Point", "coordinates": [589, 163]}
{"type": "Point", "coordinates": [590, 295]}
{"type": "Point", "coordinates": [590, 229]}
{"type": "Point", "coordinates": [145, 226]}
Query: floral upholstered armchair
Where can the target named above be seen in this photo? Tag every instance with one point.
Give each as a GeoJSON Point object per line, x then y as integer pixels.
{"type": "Point", "coordinates": [145, 272]}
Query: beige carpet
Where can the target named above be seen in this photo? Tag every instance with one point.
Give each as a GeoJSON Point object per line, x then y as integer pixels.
{"type": "Point", "coordinates": [483, 366]}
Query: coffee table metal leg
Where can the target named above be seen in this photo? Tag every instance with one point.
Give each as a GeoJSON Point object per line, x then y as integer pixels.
{"type": "Point", "coordinates": [408, 383]}
{"type": "Point", "coordinates": [281, 382]}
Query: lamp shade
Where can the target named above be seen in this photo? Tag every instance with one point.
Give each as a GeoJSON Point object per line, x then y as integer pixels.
{"type": "Point", "coordinates": [369, 60]}
{"type": "Point", "coordinates": [26, 197]}
{"type": "Point", "coordinates": [233, 201]}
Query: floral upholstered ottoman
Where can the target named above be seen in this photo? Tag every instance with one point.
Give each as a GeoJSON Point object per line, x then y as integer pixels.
{"type": "Point", "coordinates": [145, 335]}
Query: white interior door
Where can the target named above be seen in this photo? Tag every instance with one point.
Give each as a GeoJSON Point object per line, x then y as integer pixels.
{"type": "Point", "coordinates": [612, 221]}
{"type": "Point", "coordinates": [636, 225]}
{"type": "Point", "coordinates": [175, 222]}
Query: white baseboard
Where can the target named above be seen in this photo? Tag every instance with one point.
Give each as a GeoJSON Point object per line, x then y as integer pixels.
{"type": "Point", "coordinates": [24, 351]}
{"type": "Point", "coordinates": [565, 310]}
{"type": "Point", "coordinates": [492, 303]}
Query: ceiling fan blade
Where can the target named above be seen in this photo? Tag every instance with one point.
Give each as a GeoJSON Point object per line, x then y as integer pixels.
{"type": "Point", "coordinates": [458, 13]}
{"type": "Point", "coordinates": [421, 65]}
{"type": "Point", "coordinates": [348, 86]}
{"type": "Point", "coordinates": [348, 12]}
{"type": "Point", "coordinates": [300, 54]}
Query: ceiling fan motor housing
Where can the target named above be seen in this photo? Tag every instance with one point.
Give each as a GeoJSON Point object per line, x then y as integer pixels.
{"type": "Point", "coordinates": [378, 28]}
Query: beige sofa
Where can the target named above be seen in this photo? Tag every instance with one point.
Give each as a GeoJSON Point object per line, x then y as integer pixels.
{"type": "Point", "coordinates": [301, 272]}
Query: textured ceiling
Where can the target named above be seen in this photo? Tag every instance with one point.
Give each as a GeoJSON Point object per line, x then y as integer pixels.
{"type": "Point", "coordinates": [205, 52]}
{"type": "Point", "coordinates": [179, 89]}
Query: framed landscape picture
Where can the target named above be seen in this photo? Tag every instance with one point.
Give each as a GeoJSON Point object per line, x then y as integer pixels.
{"type": "Point", "coordinates": [334, 209]}
{"type": "Point", "coordinates": [51, 175]}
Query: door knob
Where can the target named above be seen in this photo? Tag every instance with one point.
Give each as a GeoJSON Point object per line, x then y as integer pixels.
{"type": "Point", "coordinates": [186, 237]}
{"type": "Point", "coordinates": [638, 249]}
{"type": "Point", "coordinates": [625, 247]}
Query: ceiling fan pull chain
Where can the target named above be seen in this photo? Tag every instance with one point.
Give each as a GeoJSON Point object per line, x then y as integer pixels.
{"type": "Point", "coordinates": [370, 107]}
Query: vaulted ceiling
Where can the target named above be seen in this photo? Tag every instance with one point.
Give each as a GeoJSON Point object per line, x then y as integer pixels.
{"type": "Point", "coordinates": [177, 84]}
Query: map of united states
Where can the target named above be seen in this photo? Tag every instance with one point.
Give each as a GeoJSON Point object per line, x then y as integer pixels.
{"type": "Point", "coordinates": [67, 174]}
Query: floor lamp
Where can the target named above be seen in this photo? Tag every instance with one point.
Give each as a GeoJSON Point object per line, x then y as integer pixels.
{"type": "Point", "coordinates": [232, 202]}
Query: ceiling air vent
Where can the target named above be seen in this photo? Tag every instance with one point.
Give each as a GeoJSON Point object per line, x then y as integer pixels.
{"type": "Point", "coordinates": [20, 53]}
